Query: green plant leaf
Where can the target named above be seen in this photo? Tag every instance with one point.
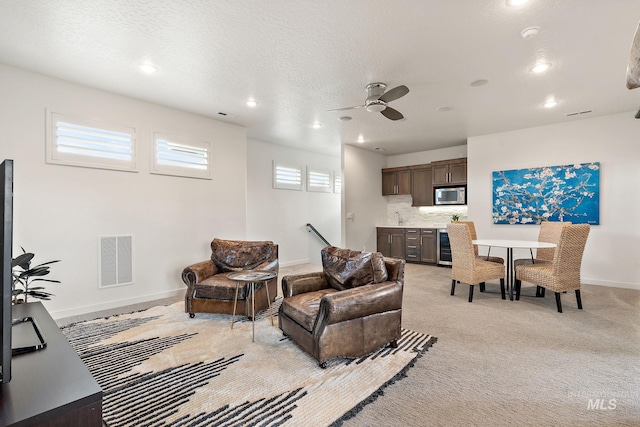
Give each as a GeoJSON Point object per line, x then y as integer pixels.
{"type": "Point", "coordinates": [22, 261]}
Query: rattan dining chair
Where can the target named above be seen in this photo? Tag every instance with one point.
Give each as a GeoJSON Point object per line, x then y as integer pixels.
{"type": "Point", "coordinates": [474, 236]}
{"type": "Point", "coordinates": [466, 268]}
{"type": "Point", "coordinates": [563, 273]}
{"type": "Point", "coordinates": [487, 257]}
{"type": "Point", "coordinates": [549, 232]}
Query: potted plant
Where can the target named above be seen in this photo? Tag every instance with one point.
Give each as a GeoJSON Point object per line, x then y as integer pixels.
{"type": "Point", "coordinates": [455, 218]}
{"type": "Point", "coordinates": [24, 275]}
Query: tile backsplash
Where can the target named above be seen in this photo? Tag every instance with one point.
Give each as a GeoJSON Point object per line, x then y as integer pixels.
{"type": "Point", "coordinates": [423, 216]}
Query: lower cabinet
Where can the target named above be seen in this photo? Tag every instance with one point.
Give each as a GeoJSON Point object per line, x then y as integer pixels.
{"type": "Point", "coordinates": [412, 244]}
{"type": "Point", "coordinates": [429, 246]}
{"type": "Point", "coordinates": [391, 242]}
{"type": "Point", "coordinates": [417, 245]}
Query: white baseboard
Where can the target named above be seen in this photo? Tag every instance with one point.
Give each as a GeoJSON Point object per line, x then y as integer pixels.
{"type": "Point", "coordinates": [76, 311]}
{"type": "Point", "coordinates": [611, 284]}
{"type": "Point", "coordinates": [292, 263]}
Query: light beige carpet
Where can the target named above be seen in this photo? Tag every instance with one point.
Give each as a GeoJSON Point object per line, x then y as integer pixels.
{"type": "Point", "coordinates": [504, 363]}
{"type": "Point", "coordinates": [159, 367]}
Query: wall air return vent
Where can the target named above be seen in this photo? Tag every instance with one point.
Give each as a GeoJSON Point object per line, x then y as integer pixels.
{"type": "Point", "coordinates": [115, 261]}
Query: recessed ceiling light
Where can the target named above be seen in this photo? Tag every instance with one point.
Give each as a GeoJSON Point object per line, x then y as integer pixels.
{"type": "Point", "coordinates": [444, 109]}
{"type": "Point", "coordinates": [550, 103]}
{"type": "Point", "coordinates": [516, 3]}
{"type": "Point", "coordinates": [345, 118]}
{"type": "Point", "coordinates": [252, 103]}
{"type": "Point", "coordinates": [540, 67]}
{"type": "Point", "coordinates": [480, 82]}
{"type": "Point", "coordinates": [379, 149]}
{"type": "Point", "coordinates": [360, 139]}
{"type": "Point", "coordinates": [147, 68]}
{"type": "Point", "coordinates": [316, 125]}
{"type": "Point", "coordinates": [530, 32]}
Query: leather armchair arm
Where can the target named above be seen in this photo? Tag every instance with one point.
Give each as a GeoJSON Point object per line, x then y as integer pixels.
{"type": "Point", "coordinates": [301, 283]}
{"type": "Point", "coordinates": [268, 265]}
{"type": "Point", "coordinates": [359, 302]}
{"type": "Point", "coordinates": [196, 273]}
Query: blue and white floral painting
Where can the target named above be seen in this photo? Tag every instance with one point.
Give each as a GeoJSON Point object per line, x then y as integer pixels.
{"type": "Point", "coordinates": [553, 193]}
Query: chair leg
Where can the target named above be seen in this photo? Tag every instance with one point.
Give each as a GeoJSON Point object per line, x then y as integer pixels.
{"type": "Point", "coordinates": [481, 286]}
{"type": "Point", "coordinates": [558, 303]}
{"type": "Point", "coordinates": [518, 286]}
{"type": "Point", "coordinates": [470, 293]}
{"type": "Point", "coordinates": [538, 291]}
{"type": "Point", "coordinates": [502, 290]}
{"type": "Point", "coordinates": [542, 291]}
{"type": "Point", "coordinates": [393, 344]}
{"type": "Point", "coordinates": [453, 286]}
{"type": "Point", "coordinates": [578, 299]}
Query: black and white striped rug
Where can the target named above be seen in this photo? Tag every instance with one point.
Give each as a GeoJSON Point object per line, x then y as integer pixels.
{"type": "Point", "coordinates": [158, 367]}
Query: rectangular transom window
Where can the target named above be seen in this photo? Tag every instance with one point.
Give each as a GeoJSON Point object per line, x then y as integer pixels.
{"type": "Point", "coordinates": [180, 156]}
{"type": "Point", "coordinates": [319, 180]}
{"type": "Point", "coordinates": [85, 142]}
{"type": "Point", "coordinates": [287, 177]}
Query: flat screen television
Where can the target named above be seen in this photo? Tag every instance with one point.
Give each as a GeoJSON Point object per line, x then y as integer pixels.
{"type": "Point", "coordinates": [6, 238]}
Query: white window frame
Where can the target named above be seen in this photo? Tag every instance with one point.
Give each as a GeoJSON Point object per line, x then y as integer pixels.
{"type": "Point", "coordinates": [337, 182]}
{"type": "Point", "coordinates": [54, 155]}
{"type": "Point", "coordinates": [319, 180]}
{"type": "Point", "coordinates": [296, 184]}
{"type": "Point", "coordinates": [188, 144]}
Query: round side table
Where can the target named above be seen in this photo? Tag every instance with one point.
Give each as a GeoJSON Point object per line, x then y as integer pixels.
{"type": "Point", "coordinates": [254, 278]}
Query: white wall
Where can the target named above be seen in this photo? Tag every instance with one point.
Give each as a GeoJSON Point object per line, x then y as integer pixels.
{"type": "Point", "coordinates": [281, 215]}
{"type": "Point", "coordinates": [363, 197]}
{"type": "Point", "coordinates": [60, 211]}
{"type": "Point", "coordinates": [611, 254]}
{"type": "Point", "coordinates": [423, 157]}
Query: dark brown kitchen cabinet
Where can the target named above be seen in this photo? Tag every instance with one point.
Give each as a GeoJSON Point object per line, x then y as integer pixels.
{"type": "Point", "coordinates": [422, 187]}
{"type": "Point", "coordinates": [396, 181]}
{"type": "Point", "coordinates": [450, 172]}
{"type": "Point", "coordinates": [391, 242]}
{"type": "Point", "coordinates": [412, 244]}
{"type": "Point", "coordinates": [428, 246]}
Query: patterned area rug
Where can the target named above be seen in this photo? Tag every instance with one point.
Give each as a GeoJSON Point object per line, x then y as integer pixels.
{"type": "Point", "coordinates": [158, 367]}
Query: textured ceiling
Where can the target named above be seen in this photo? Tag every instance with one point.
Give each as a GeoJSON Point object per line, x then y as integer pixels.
{"type": "Point", "coordinates": [299, 59]}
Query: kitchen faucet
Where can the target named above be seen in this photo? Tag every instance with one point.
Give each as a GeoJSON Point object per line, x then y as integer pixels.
{"type": "Point", "coordinates": [398, 218]}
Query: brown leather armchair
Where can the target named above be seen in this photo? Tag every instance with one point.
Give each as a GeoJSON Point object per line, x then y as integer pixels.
{"type": "Point", "coordinates": [210, 291]}
{"type": "Point", "coordinates": [350, 309]}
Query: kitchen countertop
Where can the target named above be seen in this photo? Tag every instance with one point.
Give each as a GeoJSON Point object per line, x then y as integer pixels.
{"type": "Point", "coordinates": [434, 225]}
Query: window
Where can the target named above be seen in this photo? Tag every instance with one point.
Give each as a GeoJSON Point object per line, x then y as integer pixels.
{"type": "Point", "coordinates": [84, 142]}
{"type": "Point", "coordinates": [337, 183]}
{"type": "Point", "coordinates": [287, 177]}
{"type": "Point", "coordinates": [319, 180]}
{"type": "Point", "coordinates": [181, 157]}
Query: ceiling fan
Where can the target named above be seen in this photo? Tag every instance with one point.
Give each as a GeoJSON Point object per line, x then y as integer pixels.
{"type": "Point", "coordinates": [378, 99]}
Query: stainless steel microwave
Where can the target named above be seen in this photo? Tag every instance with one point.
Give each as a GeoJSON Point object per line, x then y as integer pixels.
{"type": "Point", "coordinates": [451, 196]}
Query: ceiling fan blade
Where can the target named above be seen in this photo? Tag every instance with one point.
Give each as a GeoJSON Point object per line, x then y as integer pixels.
{"type": "Point", "coordinates": [392, 114]}
{"type": "Point", "coordinates": [395, 93]}
{"type": "Point", "coordinates": [347, 108]}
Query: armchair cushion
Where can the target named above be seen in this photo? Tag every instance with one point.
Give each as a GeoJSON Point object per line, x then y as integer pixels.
{"type": "Point", "coordinates": [346, 269]}
{"type": "Point", "coordinates": [236, 255]}
{"type": "Point", "coordinates": [303, 308]}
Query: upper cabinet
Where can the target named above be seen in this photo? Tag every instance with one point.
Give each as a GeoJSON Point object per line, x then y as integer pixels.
{"type": "Point", "coordinates": [396, 181]}
{"type": "Point", "coordinates": [421, 186]}
{"type": "Point", "coordinates": [450, 172]}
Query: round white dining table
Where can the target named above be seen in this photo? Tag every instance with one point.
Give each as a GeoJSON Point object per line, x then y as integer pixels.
{"type": "Point", "coordinates": [510, 245]}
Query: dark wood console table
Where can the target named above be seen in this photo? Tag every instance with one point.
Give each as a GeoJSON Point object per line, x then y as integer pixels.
{"type": "Point", "coordinates": [50, 387]}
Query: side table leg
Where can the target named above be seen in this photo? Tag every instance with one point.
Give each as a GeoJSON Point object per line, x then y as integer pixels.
{"type": "Point", "coordinates": [266, 285]}
{"type": "Point", "coordinates": [235, 302]}
{"type": "Point", "coordinates": [253, 311]}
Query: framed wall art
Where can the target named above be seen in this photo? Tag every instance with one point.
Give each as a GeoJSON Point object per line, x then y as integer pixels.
{"type": "Point", "coordinates": [551, 193]}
